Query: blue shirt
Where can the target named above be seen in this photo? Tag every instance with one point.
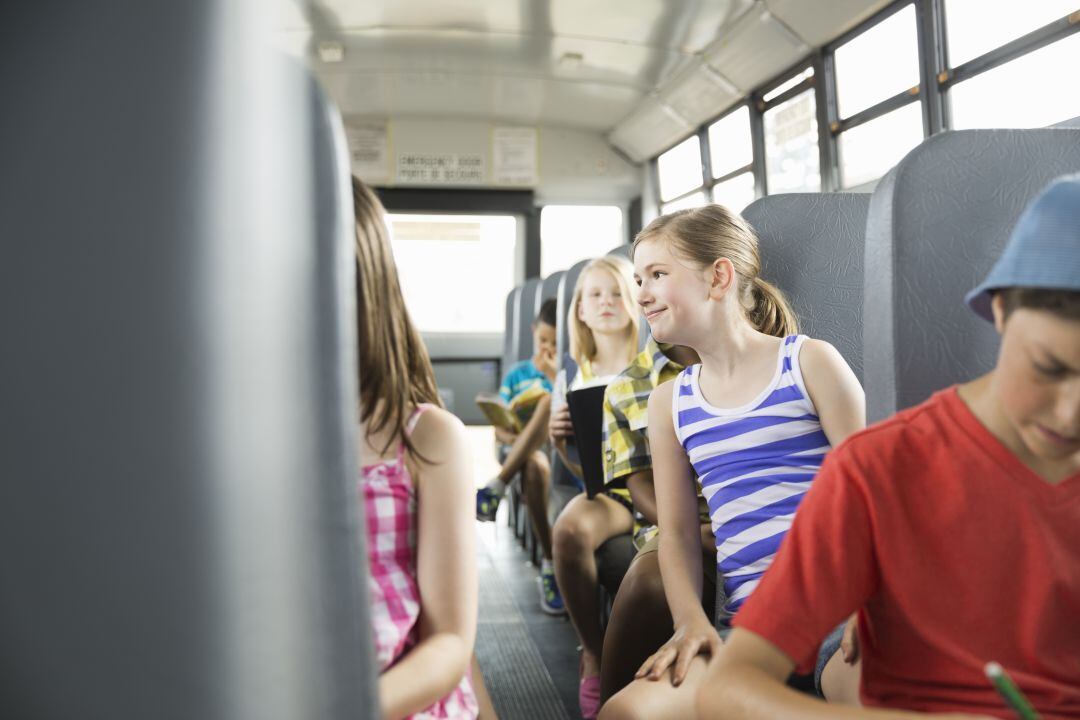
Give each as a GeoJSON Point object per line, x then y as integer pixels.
{"type": "Point", "coordinates": [522, 376]}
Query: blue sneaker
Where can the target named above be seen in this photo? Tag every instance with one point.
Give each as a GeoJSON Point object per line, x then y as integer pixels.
{"type": "Point", "coordinates": [487, 504]}
{"type": "Point", "coordinates": [551, 601]}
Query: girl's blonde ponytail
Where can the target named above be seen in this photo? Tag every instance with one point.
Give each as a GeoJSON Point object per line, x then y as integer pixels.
{"type": "Point", "coordinates": [771, 313]}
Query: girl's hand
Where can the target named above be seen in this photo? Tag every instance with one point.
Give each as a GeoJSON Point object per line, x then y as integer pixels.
{"type": "Point", "coordinates": [560, 426]}
{"type": "Point", "coordinates": [506, 437]}
{"type": "Point", "coordinates": [693, 638]}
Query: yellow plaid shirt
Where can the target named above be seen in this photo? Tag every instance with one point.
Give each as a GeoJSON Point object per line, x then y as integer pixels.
{"type": "Point", "coordinates": [626, 409]}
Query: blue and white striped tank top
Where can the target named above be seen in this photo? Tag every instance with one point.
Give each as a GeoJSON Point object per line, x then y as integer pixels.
{"type": "Point", "coordinates": [754, 463]}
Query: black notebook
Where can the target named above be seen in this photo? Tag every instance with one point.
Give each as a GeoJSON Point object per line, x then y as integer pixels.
{"type": "Point", "coordinates": [587, 417]}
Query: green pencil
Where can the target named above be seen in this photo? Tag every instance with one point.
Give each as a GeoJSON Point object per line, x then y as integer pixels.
{"type": "Point", "coordinates": [1009, 692]}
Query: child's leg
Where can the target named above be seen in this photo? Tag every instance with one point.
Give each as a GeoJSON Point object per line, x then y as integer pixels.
{"type": "Point", "coordinates": [528, 442]}
{"type": "Point", "coordinates": [483, 699]}
{"type": "Point", "coordinates": [582, 528]}
{"type": "Point", "coordinates": [640, 623]}
{"type": "Point", "coordinates": [536, 482]}
{"type": "Point", "coordinates": [840, 681]}
{"type": "Point", "coordinates": [657, 699]}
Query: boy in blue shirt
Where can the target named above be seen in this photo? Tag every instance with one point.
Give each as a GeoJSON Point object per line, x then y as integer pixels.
{"type": "Point", "coordinates": [522, 452]}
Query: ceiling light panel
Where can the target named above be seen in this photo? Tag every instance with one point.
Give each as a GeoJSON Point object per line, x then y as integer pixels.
{"type": "Point", "coordinates": [820, 22]}
{"type": "Point", "coordinates": [755, 48]}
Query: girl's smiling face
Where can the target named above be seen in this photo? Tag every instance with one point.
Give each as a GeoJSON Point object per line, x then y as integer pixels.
{"type": "Point", "coordinates": [601, 306]}
{"type": "Point", "coordinates": [673, 295]}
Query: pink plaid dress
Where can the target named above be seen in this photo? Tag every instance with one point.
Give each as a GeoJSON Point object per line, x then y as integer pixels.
{"type": "Point", "coordinates": [390, 504]}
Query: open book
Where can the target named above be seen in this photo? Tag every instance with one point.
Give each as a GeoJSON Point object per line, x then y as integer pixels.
{"type": "Point", "coordinates": [514, 415]}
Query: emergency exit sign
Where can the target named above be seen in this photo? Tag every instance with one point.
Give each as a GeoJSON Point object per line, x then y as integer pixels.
{"type": "Point", "coordinates": [441, 168]}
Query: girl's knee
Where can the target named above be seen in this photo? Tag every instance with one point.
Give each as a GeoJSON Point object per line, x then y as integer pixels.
{"type": "Point", "coordinates": [568, 536]}
{"type": "Point", "coordinates": [625, 705]}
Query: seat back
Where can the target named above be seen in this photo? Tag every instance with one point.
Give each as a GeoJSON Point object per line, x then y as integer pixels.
{"type": "Point", "coordinates": [937, 223]}
{"type": "Point", "coordinates": [510, 333]}
{"type": "Point", "coordinates": [566, 296]}
{"type": "Point", "coordinates": [811, 247]}
{"type": "Point", "coordinates": [179, 532]}
{"type": "Point", "coordinates": [526, 314]}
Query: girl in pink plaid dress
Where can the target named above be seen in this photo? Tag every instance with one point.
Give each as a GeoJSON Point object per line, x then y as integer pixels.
{"type": "Point", "coordinates": [416, 486]}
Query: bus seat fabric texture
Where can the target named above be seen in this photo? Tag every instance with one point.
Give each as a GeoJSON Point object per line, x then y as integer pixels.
{"type": "Point", "coordinates": [811, 247]}
{"type": "Point", "coordinates": [937, 223]}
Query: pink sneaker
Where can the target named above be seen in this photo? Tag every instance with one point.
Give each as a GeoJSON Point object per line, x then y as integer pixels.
{"type": "Point", "coordinates": [589, 697]}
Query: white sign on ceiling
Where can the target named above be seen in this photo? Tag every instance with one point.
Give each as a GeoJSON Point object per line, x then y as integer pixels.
{"type": "Point", "coordinates": [514, 156]}
{"type": "Point", "coordinates": [368, 151]}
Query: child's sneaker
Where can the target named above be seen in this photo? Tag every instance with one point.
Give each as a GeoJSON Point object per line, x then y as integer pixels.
{"type": "Point", "coordinates": [551, 601]}
{"type": "Point", "coordinates": [487, 504]}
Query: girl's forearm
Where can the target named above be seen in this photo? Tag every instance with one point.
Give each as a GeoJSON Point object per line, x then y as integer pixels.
{"type": "Point", "coordinates": [680, 568]}
{"type": "Point", "coordinates": [744, 692]}
{"type": "Point", "coordinates": [425, 674]}
{"type": "Point", "coordinates": [560, 447]}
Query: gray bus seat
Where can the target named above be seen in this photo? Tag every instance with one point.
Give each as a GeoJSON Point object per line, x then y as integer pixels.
{"type": "Point", "coordinates": [550, 286]}
{"type": "Point", "coordinates": [526, 313]}
{"type": "Point", "coordinates": [937, 223]}
{"type": "Point", "coordinates": [811, 247]}
{"type": "Point", "coordinates": [179, 527]}
{"type": "Point", "coordinates": [510, 333]}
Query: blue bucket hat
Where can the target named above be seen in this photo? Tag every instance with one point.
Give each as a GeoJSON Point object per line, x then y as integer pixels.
{"type": "Point", "coordinates": [1043, 250]}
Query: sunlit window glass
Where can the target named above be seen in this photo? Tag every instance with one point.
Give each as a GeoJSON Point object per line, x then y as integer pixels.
{"type": "Point", "coordinates": [868, 151]}
{"type": "Point", "coordinates": [680, 168]}
{"type": "Point", "coordinates": [791, 147]}
{"type": "Point", "coordinates": [439, 257]}
{"type": "Point", "coordinates": [878, 64]}
{"type": "Point", "coordinates": [1035, 90]}
{"type": "Point", "coordinates": [975, 27]}
{"type": "Point", "coordinates": [569, 233]}
{"type": "Point", "coordinates": [729, 142]}
{"type": "Point", "coordinates": [788, 84]}
{"type": "Point", "coordinates": [690, 201]}
{"type": "Point", "coordinates": [735, 193]}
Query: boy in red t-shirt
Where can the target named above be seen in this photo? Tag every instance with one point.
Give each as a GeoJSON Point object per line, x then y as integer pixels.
{"type": "Point", "coordinates": [952, 528]}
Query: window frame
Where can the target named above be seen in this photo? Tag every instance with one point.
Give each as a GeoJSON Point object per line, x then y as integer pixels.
{"type": "Point", "coordinates": [936, 77]}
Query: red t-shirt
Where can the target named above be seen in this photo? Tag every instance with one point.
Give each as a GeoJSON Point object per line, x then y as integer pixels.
{"type": "Point", "coordinates": [954, 553]}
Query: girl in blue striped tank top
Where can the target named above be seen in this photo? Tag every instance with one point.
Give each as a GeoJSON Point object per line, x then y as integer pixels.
{"type": "Point", "coordinates": [751, 424]}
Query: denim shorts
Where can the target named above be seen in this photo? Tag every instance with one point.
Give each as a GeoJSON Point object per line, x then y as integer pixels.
{"type": "Point", "coordinates": [722, 622]}
{"type": "Point", "coordinates": [829, 647]}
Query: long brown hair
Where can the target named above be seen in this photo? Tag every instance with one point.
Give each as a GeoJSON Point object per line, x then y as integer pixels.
{"type": "Point", "coordinates": [395, 371]}
{"type": "Point", "coordinates": [704, 235]}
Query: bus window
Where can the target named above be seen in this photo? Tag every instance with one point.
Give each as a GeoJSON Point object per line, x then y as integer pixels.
{"type": "Point", "coordinates": [1034, 90]}
{"type": "Point", "coordinates": [861, 79]}
{"type": "Point", "coordinates": [680, 168]}
{"type": "Point", "coordinates": [476, 246]}
{"type": "Point", "coordinates": [735, 193]}
{"type": "Point", "coordinates": [692, 200]}
{"type": "Point", "coordinates": [791, 146]}
{"type": "Point", "coordinates": [569, 233]}
{"type": "Point", "coordinates": [730, 148]}
{"type": "Point", "coordinates": [869, 150]}
{"type": "Point", "coordinates": [975, 27]}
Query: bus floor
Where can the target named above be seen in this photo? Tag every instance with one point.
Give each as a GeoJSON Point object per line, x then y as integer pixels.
{"type": "Point", "coordinates": [529, 660]}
